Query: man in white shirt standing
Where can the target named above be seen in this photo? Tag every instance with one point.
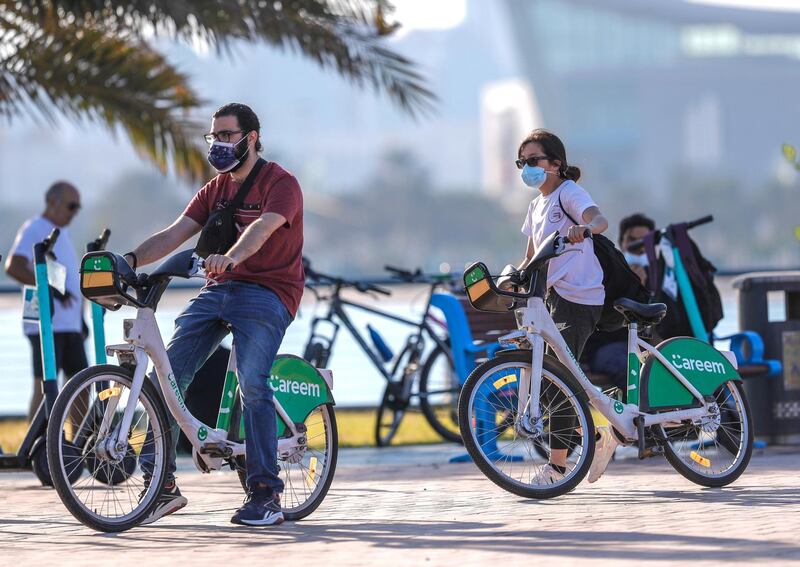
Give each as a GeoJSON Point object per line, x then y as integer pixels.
{"type": "Point", "coordinates": [62, 203]}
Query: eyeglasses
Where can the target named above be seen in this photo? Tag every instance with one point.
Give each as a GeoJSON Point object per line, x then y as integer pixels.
{"type": "Point", "coordinates": [72, 207]}
{"type": "Point", "coordinates": [532, 161]}
{"type": "Point", "coordinates": [222, 136]}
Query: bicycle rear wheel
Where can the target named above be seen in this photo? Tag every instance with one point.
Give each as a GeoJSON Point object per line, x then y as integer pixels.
{"type": "Point", "coordinates": [438, 394]}
{"type": "Point", "coordinates": [108, 507]}
{"type": "Point", "coordinates": [715, 450]}
{"type": "Point", "coordinates": [397, 395]}
{"type": "Point", "coordinates": [307, 476]}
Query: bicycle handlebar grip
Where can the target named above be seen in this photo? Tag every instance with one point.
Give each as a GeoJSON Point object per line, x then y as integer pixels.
{"type": "Point", "coordinates": [228, 268]}
{"type": "Point", "coordinates": [103, 240]}
{"type": "Point", "coordinates": [50, 241]}
{"type": "Point", "coordinates": [399, 271]}
{"type": "Point", "coordinates": [380, 290]}
{"type": "Point", "coordinates": [704, 220]}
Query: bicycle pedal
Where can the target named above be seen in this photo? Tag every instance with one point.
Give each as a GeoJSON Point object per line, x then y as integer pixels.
{"type": "Point", "coordinates": [216, 450]}
{"type": "Point", "coordinates": [639, 422]}
{"type": "Point", "coordinates": [654, 451]}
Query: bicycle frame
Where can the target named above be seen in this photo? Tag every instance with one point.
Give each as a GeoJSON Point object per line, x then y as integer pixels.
{"type": "Point", "coordinates": [337, 310]}
{"type": "Point", "coordinates": [534, 319]}
{"type": "Point", "coordinates": [143, 342]}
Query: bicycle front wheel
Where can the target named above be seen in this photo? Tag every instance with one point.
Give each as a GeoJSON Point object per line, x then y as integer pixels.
{"type": "Point", "coordinates": [307, 474]}
{"type": "Point", "coordinates": [438, 394]}
{"type": "Point", "coordinates": [99, 504]}
{"type": "Point", "coordinates": [714, 450]}
{"type": "Point", "coordinates": [506, 446]}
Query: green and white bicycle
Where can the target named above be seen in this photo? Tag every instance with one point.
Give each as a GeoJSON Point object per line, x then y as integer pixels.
{"type": "Point", "coordinates": [124, 405]}
{"type": "Point", "coordinates": [684, 397]}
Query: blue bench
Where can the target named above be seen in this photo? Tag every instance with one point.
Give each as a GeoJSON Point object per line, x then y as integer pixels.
{"type": "Point", "coordinates": [748, 347]}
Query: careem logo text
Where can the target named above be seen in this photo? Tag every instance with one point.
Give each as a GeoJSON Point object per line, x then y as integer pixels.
{"type": "Point", "coordinates": [679, 361]}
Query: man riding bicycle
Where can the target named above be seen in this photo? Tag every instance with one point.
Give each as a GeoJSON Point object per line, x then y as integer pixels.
{"type": "Point", "coordinates": [253, 290]}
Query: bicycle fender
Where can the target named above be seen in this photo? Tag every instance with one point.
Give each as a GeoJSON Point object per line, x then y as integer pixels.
{"type": "Point", "coordinates": [298, 387]}
{"type": "Point", "coordinates": [705, 367]}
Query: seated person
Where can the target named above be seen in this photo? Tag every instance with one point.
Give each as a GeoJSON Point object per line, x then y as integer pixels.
{"type": "Point", "coordinates": [607, 353]}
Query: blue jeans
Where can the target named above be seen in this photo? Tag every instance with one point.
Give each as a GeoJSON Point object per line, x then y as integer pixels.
{"type": "Point", "coordinates": [258, 321]}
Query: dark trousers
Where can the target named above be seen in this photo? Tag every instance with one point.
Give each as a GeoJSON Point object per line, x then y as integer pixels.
{"type": "Point", "coordinates": [576, 323]}
{"type": "Point", "coordinates": [70, 357]}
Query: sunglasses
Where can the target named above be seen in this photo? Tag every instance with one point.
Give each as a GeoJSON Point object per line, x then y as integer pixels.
{"type": "Point", "coordinates": [222, 136]}
{"type": "Point", "coordinates": [532, 161]}
{"type": "Point", "coordinates": [72, 207]}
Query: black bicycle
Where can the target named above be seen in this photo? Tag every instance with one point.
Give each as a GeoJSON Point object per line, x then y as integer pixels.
{"type": "Point", "coordinates": [432, 383]}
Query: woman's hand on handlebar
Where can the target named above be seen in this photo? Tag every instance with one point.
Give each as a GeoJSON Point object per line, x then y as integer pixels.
{"type": "Point", "coordinates": [219, 263]}
{"type": "Point", "coordinates": [579, 233]}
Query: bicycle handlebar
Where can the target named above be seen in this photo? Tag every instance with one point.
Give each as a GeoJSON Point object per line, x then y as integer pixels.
{"type": "Point", "coordinates": [51, 239]}
{"type": "Point", "coordinates": [100, 242]}
{"type": "Point", "coordinates": [659, 232]}
{"type": "Point", "coordinates": [559, 247]}
{"type": "Point", "coordinates": [704, 220]}
{"type": "Point", "coordinates": [103, 240]}
{"type": "Point", "coordinates": [202, 265]}
{"type": "Point", "coordinates": [404, 274]}
{"type": "Point", "coordinates": [360, 286]}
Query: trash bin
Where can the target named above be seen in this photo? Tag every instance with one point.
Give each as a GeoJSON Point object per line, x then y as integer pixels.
{"type": "Point", "coordinates": [774, 402]}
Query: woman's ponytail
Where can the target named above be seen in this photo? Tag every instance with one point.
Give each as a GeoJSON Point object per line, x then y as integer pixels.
{"type": "Point", "coordinates": [571, 172]}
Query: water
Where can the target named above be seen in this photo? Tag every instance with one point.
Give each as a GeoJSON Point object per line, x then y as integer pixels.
{"type": "Point", "coordinates": [356, 381]}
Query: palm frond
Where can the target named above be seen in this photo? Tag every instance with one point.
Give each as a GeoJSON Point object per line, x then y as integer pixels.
{"type": "Point", "coordinates": [83, 73]}
{"type": "Point", "coordinates": [347, 36]}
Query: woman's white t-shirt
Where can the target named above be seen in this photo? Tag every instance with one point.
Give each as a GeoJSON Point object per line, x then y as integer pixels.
{"type": "Point", "coordinates": [576, 276]}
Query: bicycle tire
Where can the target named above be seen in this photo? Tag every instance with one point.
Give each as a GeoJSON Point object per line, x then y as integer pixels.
{"type": "Point", "coordinates": [692, 473]}
{"type": "Point", "coordinates": [437, 419]}
{"type": "Point", "coordinates": [392, 405]}
{"type": "Point", "coordinates": [57, 470]}
{"type": "Point", "coordinates": [41, 468]}
{"type": "Point", "coordinates": [315, 354]}
{"type": "Point", "coordinates": [555, 369]}
{"type": "Point", "coordinates": [300, 512]}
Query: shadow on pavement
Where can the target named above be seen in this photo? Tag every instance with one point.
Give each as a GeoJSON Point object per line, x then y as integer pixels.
{"type": "Point", "coordinates": [487, 537]}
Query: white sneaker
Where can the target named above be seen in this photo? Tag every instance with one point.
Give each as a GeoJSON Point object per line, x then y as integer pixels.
{"type": "Point", "coordinates": [548, 475]}
{"type": "Point", "coordinates": [603, 451]}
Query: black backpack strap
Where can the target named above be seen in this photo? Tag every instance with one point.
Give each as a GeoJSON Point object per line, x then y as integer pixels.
{"type": "Point", "coordinates": [237, 201]}
{"type": "Point", "coordinates": [569, 216]}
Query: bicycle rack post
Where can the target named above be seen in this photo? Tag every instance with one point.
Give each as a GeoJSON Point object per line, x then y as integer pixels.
{"type": "Point", "coordinates": [50, 387]}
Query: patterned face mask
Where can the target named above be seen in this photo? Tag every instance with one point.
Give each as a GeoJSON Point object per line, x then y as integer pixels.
{"type": "Point", "coordinates": [224, 156]}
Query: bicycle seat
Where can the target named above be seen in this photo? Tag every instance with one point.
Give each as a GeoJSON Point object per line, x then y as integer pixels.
{"type": "Point", "coordinates": [635, 312]}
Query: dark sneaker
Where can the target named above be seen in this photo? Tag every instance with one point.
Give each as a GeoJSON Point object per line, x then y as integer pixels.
{"type": "Point", "coordinates": [261, 508]}
{"type": "Point", "coordinates": [170, 500]}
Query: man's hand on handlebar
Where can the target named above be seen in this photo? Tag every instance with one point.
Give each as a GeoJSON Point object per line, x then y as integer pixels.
{"type": "Point", "coordinates": [219, 263]}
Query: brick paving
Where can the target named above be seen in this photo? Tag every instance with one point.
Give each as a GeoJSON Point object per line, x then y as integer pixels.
{"type": "Point", "coordinates": [409, 507]}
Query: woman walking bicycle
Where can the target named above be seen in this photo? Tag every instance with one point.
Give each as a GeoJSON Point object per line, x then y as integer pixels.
{"type": "Point", "coordinates": [574, 281]}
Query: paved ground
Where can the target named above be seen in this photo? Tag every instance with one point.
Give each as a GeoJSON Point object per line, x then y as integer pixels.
{"type": "Point", "coordinates": [409, 507]}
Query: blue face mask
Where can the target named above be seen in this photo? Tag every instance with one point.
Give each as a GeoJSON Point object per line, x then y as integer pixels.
{"type": "Point", "coordinates": [636, 259]}
{"type": "Point", "coordinates": [224, 156]}
{"type": "Point", "coordinates": [533, 176]}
